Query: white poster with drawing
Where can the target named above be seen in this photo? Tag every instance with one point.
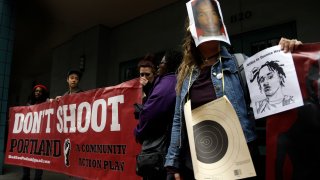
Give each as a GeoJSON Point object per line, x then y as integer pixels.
{"type": "Point", "coordinates": [272, 82]}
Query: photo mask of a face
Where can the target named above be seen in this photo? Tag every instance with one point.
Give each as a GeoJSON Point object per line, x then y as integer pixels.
{"type": "Point", "coordinates": [206, 21]}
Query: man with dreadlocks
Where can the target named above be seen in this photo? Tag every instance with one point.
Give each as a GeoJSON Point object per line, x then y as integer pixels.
{"type": "Point", "coordinates": [271, 78]}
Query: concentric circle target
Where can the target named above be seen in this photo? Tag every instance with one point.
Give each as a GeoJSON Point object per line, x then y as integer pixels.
{"type": "Point", "coordinates": [211, 141]}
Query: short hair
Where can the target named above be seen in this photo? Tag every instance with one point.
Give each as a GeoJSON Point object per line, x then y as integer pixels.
{"type": "Point", "coordinates": [173, 60]}
{"type": "Point", "coordinates": [74, 71]}
{"type": "Point", "coordinates": [41, 86]}
{"type": "Point", "coordinates": [215, 8]}
{"type": "Point", "coordinates": [147, 61]}
{"type": "Point", "coordinates": [45, 94]}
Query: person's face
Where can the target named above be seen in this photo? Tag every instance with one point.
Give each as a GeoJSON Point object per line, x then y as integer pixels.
{"type": "Point", "coordinates": [73, 80]}
{"type": "Point", "coordinates": [269, 81]}
{"type": "Point", "coordinates": [162, 68]}
{"type": "Point", "coordinates": [146, 72]}
{"type": "Point", "coordinates": [208, 18]}
{"type": "Point", "coordinates": [38, 92]}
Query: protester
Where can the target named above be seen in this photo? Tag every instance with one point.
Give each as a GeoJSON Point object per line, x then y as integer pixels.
{"type": "Point", "coordinates": [207, 18]}
{"type": "Point", "coordinates": [147, 72]}
{"type": "Point", "coordinates": [157, 113]}
{"type": "Point", "coordinates": [39, 95]}
{"type": "Point", "coordinates": [202, 66]}
{"type": "Point", "coordinates": [73, 80]}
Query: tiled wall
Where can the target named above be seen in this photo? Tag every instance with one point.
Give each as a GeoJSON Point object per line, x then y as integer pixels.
{"type": "Point", "coordinates": [7, 19]}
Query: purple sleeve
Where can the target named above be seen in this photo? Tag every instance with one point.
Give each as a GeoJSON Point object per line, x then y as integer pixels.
{"type": "Point", "coordinates": [158, 108]}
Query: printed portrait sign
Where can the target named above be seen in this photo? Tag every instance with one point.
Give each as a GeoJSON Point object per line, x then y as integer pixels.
{"type": "Point", "coordinates": [206, 21]}
{"type": "Point", "coordinates": [272, 82]}
{"type": "Point", "coordinates": [87, 135]}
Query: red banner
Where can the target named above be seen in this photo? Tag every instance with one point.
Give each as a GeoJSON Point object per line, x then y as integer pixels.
{"type": "Point", "coordinates": [292, 135]}
{"type": "Point", "coordinates": [87, 135]}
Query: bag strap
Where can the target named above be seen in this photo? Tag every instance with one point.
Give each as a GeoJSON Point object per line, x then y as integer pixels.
{"type": "Point", "coordinates": [240, 58]}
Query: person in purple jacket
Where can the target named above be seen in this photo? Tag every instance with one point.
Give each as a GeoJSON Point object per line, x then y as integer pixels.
{"type": "Point", "coordinates": [157, 113]}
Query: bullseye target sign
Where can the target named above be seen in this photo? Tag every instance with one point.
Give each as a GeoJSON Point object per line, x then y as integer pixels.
{"type": "Point", "coordinates": [217, 143]}
{"type": "Point", "coordinates": [211, 141]}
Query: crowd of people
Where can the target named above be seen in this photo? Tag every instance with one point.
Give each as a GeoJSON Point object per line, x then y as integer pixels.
{"type": "Point", "coordinates": [198, 78]}
{"type": "Point", "coordinates": [193, 73]}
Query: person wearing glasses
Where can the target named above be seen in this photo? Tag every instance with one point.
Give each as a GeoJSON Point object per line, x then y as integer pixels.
{"type": "Point", "coordinates": [73, 79]}
{"type": "Point", "coordinates": [271, 79]}
{"type": "Point", "coordinates": [156, 116]}
{"type": "Point", "coordinates": [39, 95]}
{"type": "Point", "coordinates": [147, 71]}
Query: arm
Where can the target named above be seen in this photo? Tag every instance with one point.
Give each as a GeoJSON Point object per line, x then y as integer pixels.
{"type": "Point", "coordinates": [173, 154]}
{"type": "Point", "coordinates": [172, 163]}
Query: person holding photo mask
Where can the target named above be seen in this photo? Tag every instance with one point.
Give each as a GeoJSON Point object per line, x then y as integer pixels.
{"type": "Point", "coordinates": [200, 77]}
{"type": "Point", "coordinates": [207, 18]}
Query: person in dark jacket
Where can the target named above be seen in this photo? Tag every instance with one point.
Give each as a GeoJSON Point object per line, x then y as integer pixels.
{"type": "Point", "coordinates": [147, 73]}
{"type": "Point", "coordinates": [157, 113]}
{"type": "Point", "coordinates": [39, 95]}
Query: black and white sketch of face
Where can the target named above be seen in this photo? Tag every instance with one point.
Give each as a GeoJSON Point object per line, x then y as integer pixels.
{"type": "Point", "coordinates": [269, 81]}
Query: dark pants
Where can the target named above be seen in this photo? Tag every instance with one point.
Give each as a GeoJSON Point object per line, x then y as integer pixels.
{"type": "Point", "coordinates": [186, 174]}
{"type": "Point", "coordinates": [26, 174]}
{"type": "Point", "coordinates": [156, 177]}
{"type": "Point", "coordinates": [258, 161]}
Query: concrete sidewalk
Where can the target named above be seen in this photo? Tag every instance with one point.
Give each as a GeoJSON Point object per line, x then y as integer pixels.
{"type": "Point", "coordinates": [12, 172]}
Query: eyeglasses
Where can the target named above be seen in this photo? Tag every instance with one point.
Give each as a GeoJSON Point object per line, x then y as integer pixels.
{"type": "Point", "coordinates": [144, 74]}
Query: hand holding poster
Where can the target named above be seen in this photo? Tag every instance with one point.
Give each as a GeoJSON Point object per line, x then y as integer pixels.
{"type": "Point", "coordinates": [88, 135]}
{"type": "Point", "coordinates": [272, 82]}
